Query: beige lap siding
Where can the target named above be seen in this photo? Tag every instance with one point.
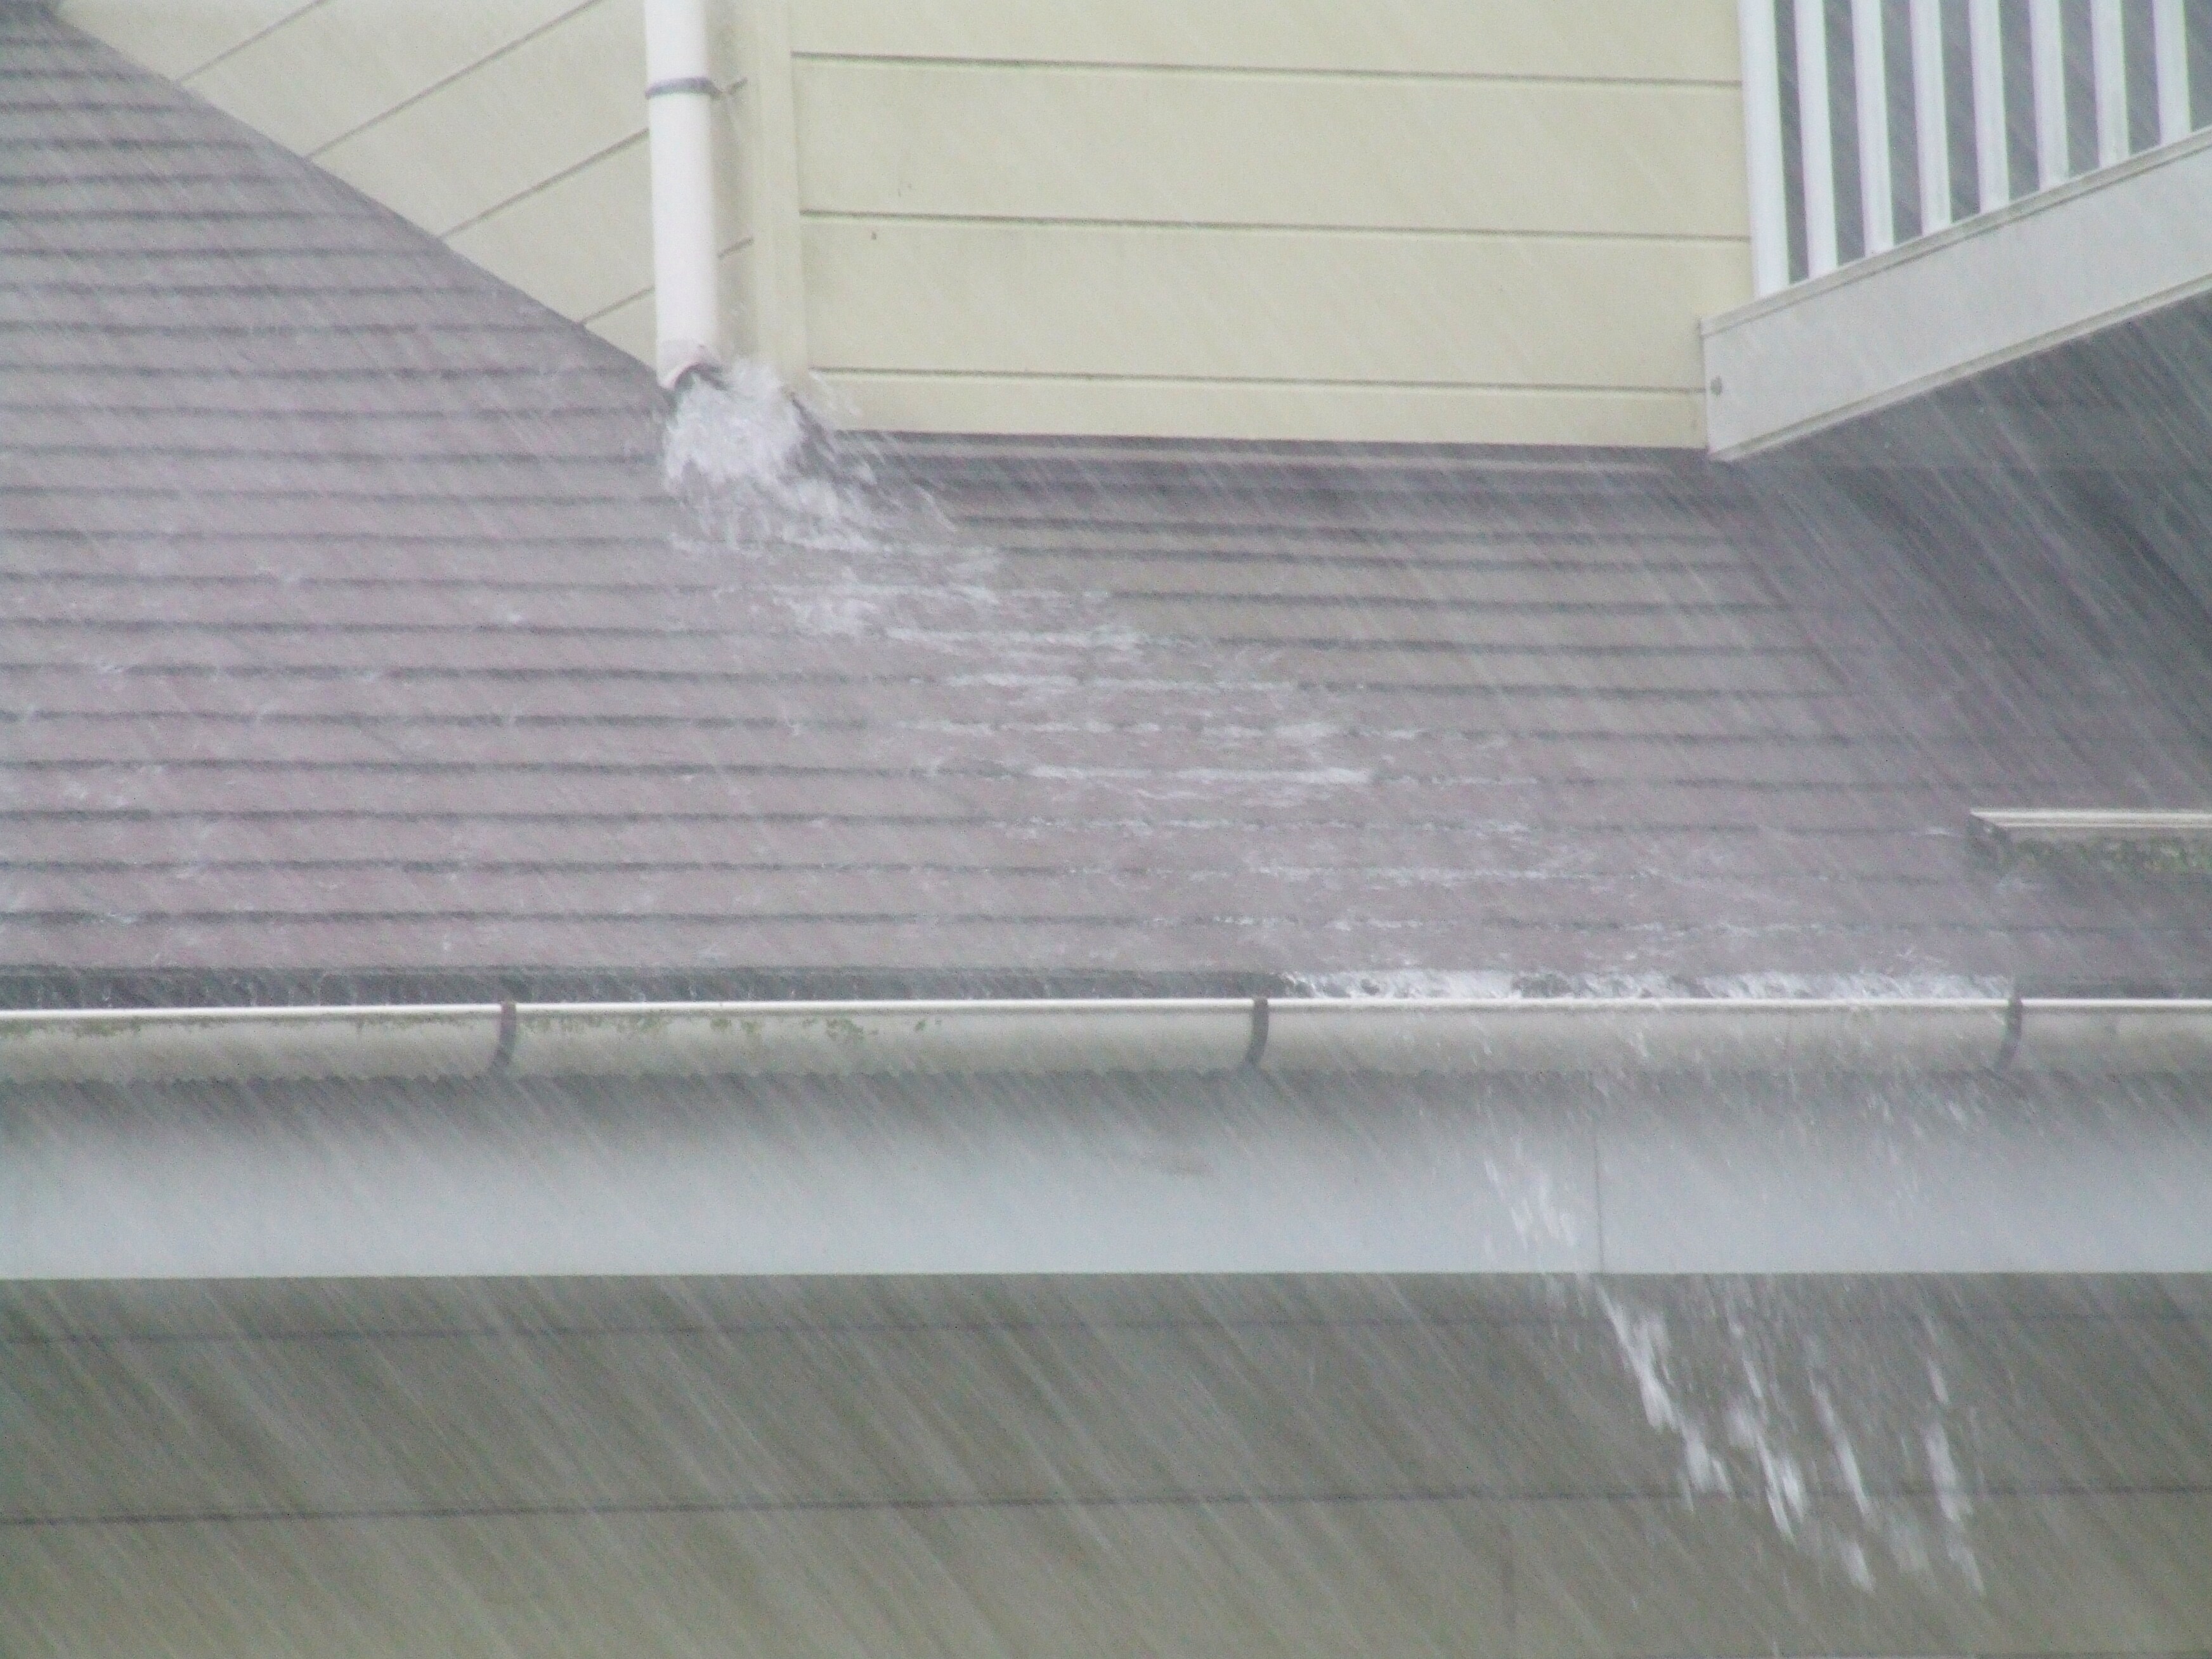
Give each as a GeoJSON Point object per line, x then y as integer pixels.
{"type": "Point", "coordinates": [1259, 1467]}
{"type": "Point", "coordinates": [1417, 220]}
{"type": "Point", "coordinates": [512, 129]}
{"type": "Point", "coordinates": [1438, 220]}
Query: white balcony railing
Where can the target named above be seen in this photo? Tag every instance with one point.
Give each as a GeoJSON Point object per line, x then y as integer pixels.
{"type": "Point", "coordinates": [1931, 111]}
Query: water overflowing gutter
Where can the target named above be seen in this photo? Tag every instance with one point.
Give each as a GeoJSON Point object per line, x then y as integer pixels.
{"type": "Point", "coordinates": [2108, 1036]}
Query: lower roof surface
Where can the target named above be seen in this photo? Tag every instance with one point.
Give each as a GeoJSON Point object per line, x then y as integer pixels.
{"type": "Point", "coordinates": [351, 627]}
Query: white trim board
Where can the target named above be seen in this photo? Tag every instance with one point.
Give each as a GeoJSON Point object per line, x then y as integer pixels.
{"type": "Point", "coordinates": [2104, 249]}
{"type": "Point", "coordinates": [1142, 1175]}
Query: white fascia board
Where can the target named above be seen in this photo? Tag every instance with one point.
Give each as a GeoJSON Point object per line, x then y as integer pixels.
{"type": "Point", "coordinates": [1912, 1179]}
{"type": "Point", "coordinates": [825, 1177]}
{"type": "Point", "coordinates": [2101, 250]}
{"type": "Point", "coordinates": [1365, 1175]}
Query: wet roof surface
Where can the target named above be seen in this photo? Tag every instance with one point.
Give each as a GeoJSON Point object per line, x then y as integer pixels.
{"type": "Point", "coordinates": [351, 628]}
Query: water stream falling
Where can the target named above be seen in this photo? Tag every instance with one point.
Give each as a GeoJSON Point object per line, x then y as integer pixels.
{"type": "Point", "coordinates": [1852, 1463]}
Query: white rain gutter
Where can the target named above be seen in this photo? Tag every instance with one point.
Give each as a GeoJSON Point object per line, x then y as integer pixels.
{"type": "Point", "coordinates": [680, 94]}
{"type": "Point", "coordinates": [1593, 1036]}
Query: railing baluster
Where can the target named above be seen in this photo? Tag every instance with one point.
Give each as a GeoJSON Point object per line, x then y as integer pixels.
{"type": "Point", "coordinates": [1762, 145]}
{"type": "Point", "coordinates": [1988, 25]}
{"type": "Point", "coordinates": [1870, 79]}
{"type": "Point", "coordinates": [2046, 51]}
{"type": "Point", "coordinates": [2108, 59]}
{"type": "Point", "coordinates": [2170, 46]}
{"type": "Point", "coordinates": [1814, 143]}
{"type": "Point", "coordinates": [1931, 115]}
{"type": "Point", "coordinates": [1992, 143]}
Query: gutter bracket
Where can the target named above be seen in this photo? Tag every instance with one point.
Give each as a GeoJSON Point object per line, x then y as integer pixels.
{"type": "Point", "coordinates": [1258, 1046]}
{"type": "Point", "coordinates": [510, 1028]}
{"type": "Point", "coordinates": [2015, 1018]}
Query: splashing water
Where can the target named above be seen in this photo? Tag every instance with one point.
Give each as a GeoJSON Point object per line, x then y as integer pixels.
{"type": "Point", "coordinates": [1525, 1182]}
{"type": "Point", "coordinates": [760, 470]}
{"type": "Point", "coordinates": [1738, 1414]}
{"type": "Point", "coordinates": [834, 550]}
{"type": "Point", "coordinates": [842, 543]}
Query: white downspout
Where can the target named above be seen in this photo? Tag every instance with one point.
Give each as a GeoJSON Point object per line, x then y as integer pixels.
{"type": "Point", "coordinates": [680, 96]}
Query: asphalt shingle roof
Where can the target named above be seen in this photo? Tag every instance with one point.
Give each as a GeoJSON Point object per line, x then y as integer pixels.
{"type": "Point", "coordinates": [347, 626]}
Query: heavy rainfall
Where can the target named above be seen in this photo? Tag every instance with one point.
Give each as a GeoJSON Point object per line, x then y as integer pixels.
{"type": "Point", "coordinates": [1198, 828]}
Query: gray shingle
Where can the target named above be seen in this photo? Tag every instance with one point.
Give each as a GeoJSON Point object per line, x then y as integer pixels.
{"type": "Point", "coordinates": [347, 627]}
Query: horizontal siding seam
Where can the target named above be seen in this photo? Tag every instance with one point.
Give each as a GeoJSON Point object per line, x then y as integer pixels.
{"type": "Point", "coordinates": [261, 34]}
{"type": "Point", "coordinates": [1257, 71]}
{"type": "Point", "coordinates": [738, 247]}
{"type": "Point", "coordinates": [852, 215]}
{"type": "Point", "coordinates": [462, 73]}
{"type": "Point", "coordinates": [544, 185]}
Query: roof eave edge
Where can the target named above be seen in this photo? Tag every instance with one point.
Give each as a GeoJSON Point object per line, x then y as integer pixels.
{"type": "Point", "coordinates": [1047, 1037]}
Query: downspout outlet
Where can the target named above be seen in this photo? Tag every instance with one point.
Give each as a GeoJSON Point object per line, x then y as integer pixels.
{"type": "Point", "coordinates": [680, 95]}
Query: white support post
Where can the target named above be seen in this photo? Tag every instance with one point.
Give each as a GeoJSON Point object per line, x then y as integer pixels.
{"type": "Point", "coordinates": [1931, 115]}
{"type": "Point", "coordinates": [1762, 145]}
{"type": "Point", "coordinates": [1992, 141]}
{"type": "Point", "coordinates": [2108, 56]}
{"type": "Point", "coordinates": [2170, 47]}
{"type": "Point", "coordinates": [680, 95]}
{"type": "Point", "coordinates": [1870, 81]}
{"type": "Point", "coordinates": [2046, 51]}
{"type": "Point", "coordinates": [1815, 137]}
